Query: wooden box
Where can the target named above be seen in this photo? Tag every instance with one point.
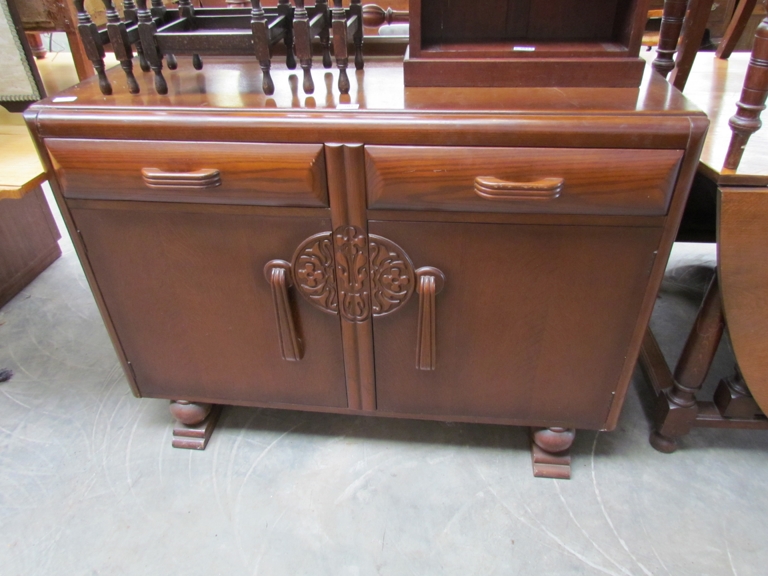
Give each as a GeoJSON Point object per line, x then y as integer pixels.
{"type": "Point", "coordinates": [541, 43]}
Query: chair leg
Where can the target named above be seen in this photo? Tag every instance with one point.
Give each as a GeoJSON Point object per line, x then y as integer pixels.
{"type": "Point", "coordinates": [746, 121]}
{"type": "Point", "coordinates": [735, 28]}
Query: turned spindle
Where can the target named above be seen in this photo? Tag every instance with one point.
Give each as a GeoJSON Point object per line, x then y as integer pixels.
{"type": "Point", "coordinates": [356, 11]}
{"type": "Point", "coordinates": [375, 16]}
{"type": "Point", "coordinates": [130, 15]}
{"type": "Point", "coordinates": [676, 407]}
{"type": "Point", "coordinates": [158, 11]}
{"type": "Point", "coordinates": [321, 7]}
{"type": "Point", "coordinates": [118, 38]}
{"type": "Point", "coordinates": [339, 23]}
{"type": "Point", "coordinates": [669, 34]}
{"type": "Point", "coordinates": [147, 32]}
{"type": "Point", "coordinates": [302, 38]}
{"type": "Point", "coordinates": [94, 49]}
{"type": "Point", "coordinates": [260, 31]}
{"type": "Point", "coordinates": [187, 12]}
{"type": "Point", "coordinates": [747, 121]}
{"type": "Point", "coordinates": [285, 10]}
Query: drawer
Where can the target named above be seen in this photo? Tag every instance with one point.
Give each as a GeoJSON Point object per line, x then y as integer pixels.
{"type": "Point", "coordinates": [207, 172]}
{"type": "Point", "coordinates": [549, 180]}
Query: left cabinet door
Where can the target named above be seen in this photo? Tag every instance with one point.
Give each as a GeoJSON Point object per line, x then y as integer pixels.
{"type": "Point", "coordinates": [185, 289]}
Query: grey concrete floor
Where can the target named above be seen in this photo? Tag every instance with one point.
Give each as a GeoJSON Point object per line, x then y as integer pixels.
{"type": "Point", "coordinates": [89, 483]}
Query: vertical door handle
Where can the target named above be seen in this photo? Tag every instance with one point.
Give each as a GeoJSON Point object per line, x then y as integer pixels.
{"type": "Point", "coordinates": [278, 273]}
{"type": "Point", "coordinates": [429, 283]}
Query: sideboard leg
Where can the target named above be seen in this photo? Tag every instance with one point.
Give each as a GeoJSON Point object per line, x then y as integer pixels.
{"type": "Point", "coordinates": [550, 452]}
{"type": "Point", "coordinates": [195, 423]}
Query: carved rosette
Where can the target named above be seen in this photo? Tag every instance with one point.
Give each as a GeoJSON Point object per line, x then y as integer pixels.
{"type": "Point", "coordinates": [314, 274]}
{"type": "Point", "coordinates": [392, 277]}
{"type": "Point", "coordinates": [352, 273]}
{"type": "Point", "coordinates": [354, 283]}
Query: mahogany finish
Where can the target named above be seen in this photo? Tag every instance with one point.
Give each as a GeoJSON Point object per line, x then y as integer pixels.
{"type": "Point", "coordinates": [525, 43]}
{"type": "Point", "coordinates": [530, 317]}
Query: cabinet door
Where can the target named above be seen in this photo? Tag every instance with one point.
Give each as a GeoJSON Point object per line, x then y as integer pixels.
{"type": "Point", "coordinates": [533, 323]}
{"type": "Point", "coordinates": [185, 289]}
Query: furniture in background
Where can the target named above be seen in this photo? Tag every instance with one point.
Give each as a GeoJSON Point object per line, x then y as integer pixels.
{"type": "Point", "coordinates": [683, 26]}
{"type": "Point", "coordinates": [60, 16]}
{"type": "Point", "coordinates": [525, 43]}
{"type": "Point", "coordinates": [349, 254]}
{"type": "Point", "coordinates": [28, 233]}
{"type": "Point", "coordinates": [21, 83]}
{"type": "Point", "coordinates": [733, 173]}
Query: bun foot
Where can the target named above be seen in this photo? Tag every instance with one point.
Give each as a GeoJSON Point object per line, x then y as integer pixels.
{"type": "Point", "coordinates": [195, 423]}
{"type": "Point", "coordinates": [662, 443]}
{"type": "Point", "coordinates": [550, 452]}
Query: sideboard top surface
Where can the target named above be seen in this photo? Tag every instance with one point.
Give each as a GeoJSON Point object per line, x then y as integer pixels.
{"type": "Point", "coordinates": [225, 102]}
{"type": "Point", "coordinates": [235, 84]}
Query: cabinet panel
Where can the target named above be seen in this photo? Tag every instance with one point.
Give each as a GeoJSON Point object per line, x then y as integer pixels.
{"type": "Point", "coordinates": [209, 172]}
{"type": "Point", "coordinates": [525, 180]}
{"type": "Point", "coordinates": [533, 323]}
{"type": "Point", "coordinates": [185, 288]}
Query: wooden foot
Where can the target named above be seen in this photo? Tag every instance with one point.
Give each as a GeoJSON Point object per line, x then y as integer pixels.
{"type": "Point", "coordinates": [550, 452]}
{"type": "Point", "coordinates": [195, 423]}
{"type": "Point", "coordinates": [662, 443]}
{"type": "Point", "coordinates": [734, 400]}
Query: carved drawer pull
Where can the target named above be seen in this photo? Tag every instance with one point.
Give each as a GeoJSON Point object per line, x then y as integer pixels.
{"type": "Point", "coordinates": [278, 273]}
{"type": "Point", "coordinates": [492, 188]}
{"type": "Point", "coordinates": [203, 178]}
{"type": "Point", "coordinates": [430, 282]}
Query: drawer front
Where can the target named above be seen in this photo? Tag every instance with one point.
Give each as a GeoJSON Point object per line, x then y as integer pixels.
{"type": "Point", "coordinates": [528, 180]}
{"type": "Point", "coordinates": [208, 172]}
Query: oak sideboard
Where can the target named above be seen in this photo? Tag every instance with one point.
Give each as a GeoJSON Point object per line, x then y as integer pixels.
{"type": "Point", "coordinates": [485, 255]}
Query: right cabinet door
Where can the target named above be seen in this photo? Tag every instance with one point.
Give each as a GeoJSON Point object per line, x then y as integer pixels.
{"type": "Point", "coordinates": [533, 323]}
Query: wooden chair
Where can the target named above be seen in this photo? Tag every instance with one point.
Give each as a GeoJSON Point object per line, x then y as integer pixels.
{"type": "Point", "coordinates": [736, 296]}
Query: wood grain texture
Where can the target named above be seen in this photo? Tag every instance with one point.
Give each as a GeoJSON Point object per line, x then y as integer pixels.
{"type": "Point", "coordinates": [513, 337]}
{"type": "Point", "coordinates": [742, 236]}
{"type": "Point", "coordinates": [268, 175]}
{"type": "Point", "coordinates": [637, 182]}
{"type": "Point", "coordinates": [196, 318]}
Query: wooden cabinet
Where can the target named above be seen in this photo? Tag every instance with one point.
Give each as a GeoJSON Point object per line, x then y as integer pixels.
{"type": "Point", "coordinates": [425, 254]}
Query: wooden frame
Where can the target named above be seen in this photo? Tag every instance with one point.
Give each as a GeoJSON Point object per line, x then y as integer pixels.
{"type": "Point", "coordinates": [526, 43]}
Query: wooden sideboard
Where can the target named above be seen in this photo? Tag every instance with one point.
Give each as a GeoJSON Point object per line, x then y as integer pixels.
{"type": "Point", "coordinates": [477, 255]}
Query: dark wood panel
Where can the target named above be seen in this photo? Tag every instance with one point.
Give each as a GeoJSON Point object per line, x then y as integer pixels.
{"type": "Point", "coordinates": [193, 312]}
{"type": "Point", "coordinates": [260, 174]}
{"type": "Point", "coordinates": [28, 241]}
{"type": "Point", "coordinates": [637, 182]}
{"type": "Point", "coordinates": [534, 322]}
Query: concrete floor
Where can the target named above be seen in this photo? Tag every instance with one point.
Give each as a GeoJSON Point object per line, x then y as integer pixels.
{"type": "Point", "coordinates": [89, 483]}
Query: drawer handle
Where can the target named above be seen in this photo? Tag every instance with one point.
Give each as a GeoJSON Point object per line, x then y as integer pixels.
{"type": "Point", "coordinates": [492, 188]}
{"type": "Point", "coordinates": [203, 178]}
{"type": "Point", "coordinates": [430, 282]}
{"type": "Point", "coordinates": [278, 273]}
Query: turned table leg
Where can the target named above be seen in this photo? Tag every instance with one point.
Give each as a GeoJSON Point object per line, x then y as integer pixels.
{"type": "Point", "coordinates": [550, 452]}
{"type": "Point", "coordinates": [196, 422]}
{"type": "Point", "coordinates": [676, 407]}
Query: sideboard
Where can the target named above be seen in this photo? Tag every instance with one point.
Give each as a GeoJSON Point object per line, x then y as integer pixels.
{"type": "Point", "coordinates": [485, 255]}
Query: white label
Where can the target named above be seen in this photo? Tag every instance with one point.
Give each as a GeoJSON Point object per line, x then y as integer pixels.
{"type": "Point", "coordinates": [523, 48]}
{"type": "Point", "coordinates": [65, 99]}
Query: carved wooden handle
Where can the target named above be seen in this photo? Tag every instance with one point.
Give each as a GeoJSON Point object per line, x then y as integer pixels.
{"type": "Point", "coordinates": [430, 282]}
{"type": "Point", "coordinates": [278, 273]}
{"type": "Point", "coordinates": [203, 178]}
{"type": "Point", "coordinates": [492, 188]}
